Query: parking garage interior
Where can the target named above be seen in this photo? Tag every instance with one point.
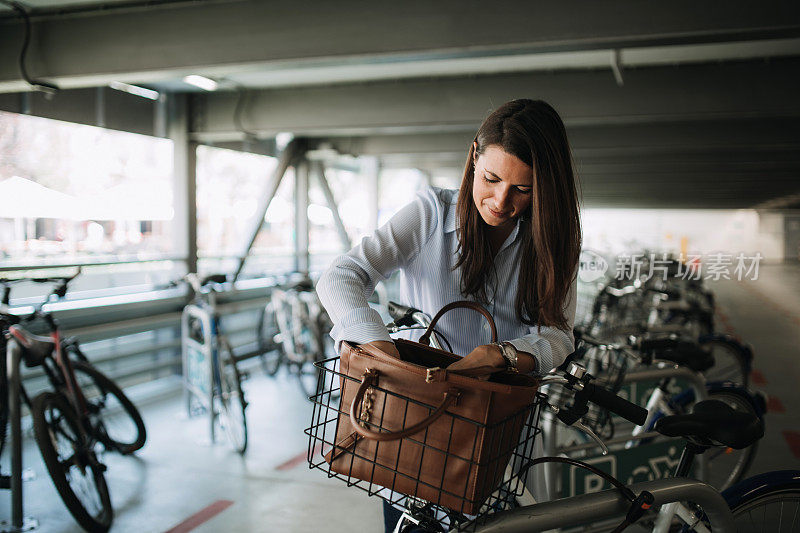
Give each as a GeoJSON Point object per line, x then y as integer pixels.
{"type": "Point", "coordinates": [141, 141]}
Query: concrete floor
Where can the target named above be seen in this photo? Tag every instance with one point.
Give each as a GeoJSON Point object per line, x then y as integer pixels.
{"type": "Point", "coordinates": [179, 474]}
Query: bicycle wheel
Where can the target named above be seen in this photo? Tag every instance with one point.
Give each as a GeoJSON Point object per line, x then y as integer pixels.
{"type": "Point", "coordinates": [307, 377]}
{"type": "Point", "coordinates": [729, 363]}
{"type": "Point", "coordinates": [231, 401]}
{"type": "Point", "coordinates": [271, 349]}
{"type": "Point", "coordinates": [727, 466]}
{"type": "Point", "coordinates": [114, 419]}
{"type": "Point", "coordinates": [777, 511]}
{"type": "Point", "coordinates": [71, 462]}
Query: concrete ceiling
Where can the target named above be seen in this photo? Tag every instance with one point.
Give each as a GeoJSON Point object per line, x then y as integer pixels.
{"type": "Point", "coordinates": [679, 104]}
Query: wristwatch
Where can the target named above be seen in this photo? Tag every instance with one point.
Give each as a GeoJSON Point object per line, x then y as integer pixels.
{"type": "Point", "coordinates": [509, 354]}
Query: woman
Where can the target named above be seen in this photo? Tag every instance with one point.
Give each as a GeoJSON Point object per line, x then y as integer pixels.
{"type": "Point", "coordinates": [509, 239]}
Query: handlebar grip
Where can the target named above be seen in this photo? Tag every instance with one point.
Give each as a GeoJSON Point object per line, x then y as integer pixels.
{"type": "Point", "coordinates": [402, 314]}
{"type": "Point", "coordinates": [609, 400]}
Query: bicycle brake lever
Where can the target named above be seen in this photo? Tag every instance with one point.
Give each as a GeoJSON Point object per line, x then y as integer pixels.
{"type": "Point", "coordinates": [580, 425]}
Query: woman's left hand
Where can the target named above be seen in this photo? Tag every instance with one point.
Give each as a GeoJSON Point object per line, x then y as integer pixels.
{"type": "Point", "coordinates": [486, 357]}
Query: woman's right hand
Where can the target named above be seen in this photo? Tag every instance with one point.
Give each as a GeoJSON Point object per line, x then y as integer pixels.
{"type": "Point", "coordinates": [386, 346]}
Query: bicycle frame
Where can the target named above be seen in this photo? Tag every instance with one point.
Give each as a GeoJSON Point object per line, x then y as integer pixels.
{"type": "Point", "coordinates": [586, 508]}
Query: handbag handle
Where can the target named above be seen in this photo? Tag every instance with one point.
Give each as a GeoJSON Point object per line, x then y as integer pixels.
{"type": "Point", "coordinates": [369, 378]}
{"type": "Point", "coordinates": [426, 337]}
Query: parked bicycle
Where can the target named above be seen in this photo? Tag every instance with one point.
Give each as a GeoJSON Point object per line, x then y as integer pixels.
{"type": "Point", "coordinates": [771, 499]}
{"type": "Point", "coordinates": [669, 306]}
{"type": "Point", "coordinates": [84, 410]}
{"type": "Point", "coordinates": [296, 326]}
{"type": "Point", "coordinates": [212, 379]}
{"type": "Point", "coordinates": [665, 375]}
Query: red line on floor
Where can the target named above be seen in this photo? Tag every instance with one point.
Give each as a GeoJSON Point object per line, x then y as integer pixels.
{"type": "Point", "coordinates": [298, 459]}
{"type": "Point", "coordinates": [726, 323]}
{"type": "Point", "coordinates": [774, 405]}
{"type": "Point", "coordinates": [757, 377]}
{"type": "Point", "coordinates": [793, 440]}
{"type": "Point", "coordinates": [201, 516]}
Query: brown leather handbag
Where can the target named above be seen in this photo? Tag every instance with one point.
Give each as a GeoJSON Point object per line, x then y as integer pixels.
{"type": "Point", "coordinates": [411, 426]}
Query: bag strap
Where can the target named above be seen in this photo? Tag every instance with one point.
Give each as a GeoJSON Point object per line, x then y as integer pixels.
{"type": "Point", "coordinates": [370, 378]}
{"type": "Point", "coordinates": [426, 337]}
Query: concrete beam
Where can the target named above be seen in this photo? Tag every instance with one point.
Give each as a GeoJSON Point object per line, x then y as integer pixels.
{"type": "Point", "coordinates": [650, 95]}
{"type": "Point", "coordinates": [148, 43]}
{"type": "Point", "coordinates": [121, 111]}
{"type": "Point", "coordinates": [726, 138]}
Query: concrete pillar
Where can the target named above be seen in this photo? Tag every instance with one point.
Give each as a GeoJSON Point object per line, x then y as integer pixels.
{"type": "Point", "coordinates": [185, 180]}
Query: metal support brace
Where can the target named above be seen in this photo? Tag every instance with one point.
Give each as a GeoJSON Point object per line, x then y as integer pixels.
{"type": "Point", "coordinates": [301, 226]}
{"type": "Point", "coordinates": [372, 171]}
{"type": "Point", "coordinates": [293, 151]}
{"type": "Point", "coordinates": [331, 201]}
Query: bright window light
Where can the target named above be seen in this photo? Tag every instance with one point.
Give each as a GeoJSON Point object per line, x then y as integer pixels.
{"type": "Point", "coordinates": [207, 84]}
{"type": "Point", "coordinates": [134, 89]}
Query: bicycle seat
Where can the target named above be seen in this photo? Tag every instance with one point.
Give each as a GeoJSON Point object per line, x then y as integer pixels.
{"type": "Point", "coordinates": [687, 354]}
{"type": "Point", "coordinates": [713, 422]}
{"type": "Point", "coordinates": [34, 348]}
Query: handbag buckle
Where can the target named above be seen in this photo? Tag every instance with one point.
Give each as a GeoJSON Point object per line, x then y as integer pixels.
{"type": "Point", "coordinates": [434, 374]}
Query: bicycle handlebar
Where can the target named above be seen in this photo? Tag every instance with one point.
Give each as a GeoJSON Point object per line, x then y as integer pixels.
{"type": "Point", "coordinates": [607, 399]}
{"type": "Point", "coordinates": [402, 315]}
{"type": "Point", "coordinates": [578, 380]}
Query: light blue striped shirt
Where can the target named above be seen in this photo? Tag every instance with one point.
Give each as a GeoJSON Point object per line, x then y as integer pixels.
{"type": "Point", "coordinates": [421, 241]}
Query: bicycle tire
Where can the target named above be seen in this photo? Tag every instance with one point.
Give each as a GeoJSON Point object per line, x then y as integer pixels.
{"type": "Point", "coordinates": [58, 430]}
{"type": "Point", "coordinates": [729, 466]}
{"type": "Point", "coordinates": [122, 432]}
{"type": "Point", "coordinates": [308, 377]}
{"type": "Point", "coordinates": [271, 351]}
{"type": "Point", "coordinates": [773, 510]}
{"type": "Point", "coordinates": [729, 363]}
{"type": "Point", "coordinates": [231, 399]}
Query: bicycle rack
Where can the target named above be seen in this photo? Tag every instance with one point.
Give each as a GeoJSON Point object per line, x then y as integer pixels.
{"type": "Point", "coordinates": [197, 354]}
{"type": "Point", "coordinates": [18, 521]}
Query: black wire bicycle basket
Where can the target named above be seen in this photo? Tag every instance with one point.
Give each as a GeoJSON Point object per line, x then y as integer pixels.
{"type": "Point", "coordinates": [496, 461]}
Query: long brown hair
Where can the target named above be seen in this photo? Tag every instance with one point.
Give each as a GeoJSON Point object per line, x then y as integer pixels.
{"type": "Point", "coordinates": [532, 131]}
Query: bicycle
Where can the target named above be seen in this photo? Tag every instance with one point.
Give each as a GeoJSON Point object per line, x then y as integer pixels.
{"type": "Point", "coordinates": [674, 306]}
{"type": "Point", "coordinates": [695, 504]}
{"type": "Point", "coordinates": [68, 425]}
{"type": "Point", "coordinates": [303, 325]}
{"type": "Point", "coordinates": [212, 379]}
{"type": "Point", "coordinates": [125, 433]}
{"type": "Point", "coordinates": [665, 374]}
{"type": "Point", "coordinates": [761, 493]}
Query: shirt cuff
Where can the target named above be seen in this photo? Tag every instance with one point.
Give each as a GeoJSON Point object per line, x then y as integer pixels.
{"type": "Point", "coordinates": [360, 325]}
{"type": "Point", "coordinates": [540, 350]}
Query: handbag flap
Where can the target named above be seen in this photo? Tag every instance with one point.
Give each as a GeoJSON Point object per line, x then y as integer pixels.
{"type": "Point", "coordinates": [418, 358]}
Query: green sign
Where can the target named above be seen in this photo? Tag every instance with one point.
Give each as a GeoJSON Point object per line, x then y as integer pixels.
{"type": "Point", "coordinates": [645, 462]}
